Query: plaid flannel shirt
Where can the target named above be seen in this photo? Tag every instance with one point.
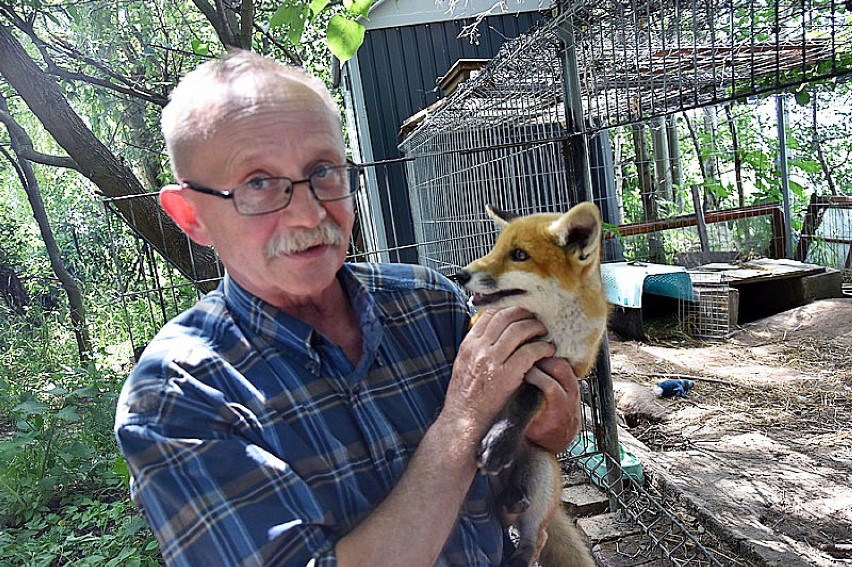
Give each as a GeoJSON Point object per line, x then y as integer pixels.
{"type": "Point", "coordinates": [252, 440]}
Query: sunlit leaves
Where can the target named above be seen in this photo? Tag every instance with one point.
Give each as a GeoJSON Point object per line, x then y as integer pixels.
{"type": "Point", "coordinates": [358, 7]}
{"type": "Point", "coordinates": [344, 32]}
{"type": "Point", "coordinates": [199, 47]}
{"type": "Point", "coordinates": [344, 36]}
{"type": "Point", "coordinates": [318, 6]}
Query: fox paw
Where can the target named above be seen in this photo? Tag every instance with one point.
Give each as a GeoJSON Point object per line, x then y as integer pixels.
{"type": "Point", "coordinates": [515, 500]}
{"type": "Point", "coordinates": [524, 556]}
{"type": "Point", "coordinates": [497, 450]}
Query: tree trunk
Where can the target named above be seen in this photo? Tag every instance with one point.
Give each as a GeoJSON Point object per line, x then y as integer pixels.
{"type": "Point", "coordinates": [69, 283]}
{"type": "Point", "coordinates": [656, 252]}
{"type": "Point", "coordinates": [826, 170]}
{"type": "Point", "coordinates": [662, 160]}
{"type": "Point", "coordinates": [697, 146]}
{"type": "Point", "coordinates": [742, 224]}
{"type": "Point", "coordinates": [112, 177]}
{"type": "Point", "coordinates": [12, 290]}
{"type": "Point", "coordinates": [738, 158]}
{"type": "Point", "coordinates": [708, 156]}
{"type": "Point", "coordinates": [674, 158]}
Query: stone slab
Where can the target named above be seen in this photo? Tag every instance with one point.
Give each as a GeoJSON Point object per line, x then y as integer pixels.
{"type": "Point", "coordinates": [584, 500]}
{"type": "Point", "coordinates": [606, 527]}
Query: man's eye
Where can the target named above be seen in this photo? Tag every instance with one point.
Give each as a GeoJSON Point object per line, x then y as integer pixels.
{"type": "Point", "coordinates": [322, 172]}
{"type": "Point", "coordinates": [519, 255]}
{"type": "Point", "coordinates": [258, 183]}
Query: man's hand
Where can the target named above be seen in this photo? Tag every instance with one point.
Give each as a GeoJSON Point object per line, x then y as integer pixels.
{"type": "Point", "coordinates": [499, 350]}
{"type": "Point", "coordinates": [559, 420]}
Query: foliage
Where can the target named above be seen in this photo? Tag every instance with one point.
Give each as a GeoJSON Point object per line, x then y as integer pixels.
{"type": "Point", "coordinates": [62, 496]}
{"type": "Point", "coordinates": [819, 150]}
{"type": "Point", "coordinates": [82, 531]}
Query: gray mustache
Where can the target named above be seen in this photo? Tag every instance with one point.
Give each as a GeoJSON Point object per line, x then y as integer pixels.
{"type": "Point", "coordinates": [327, 233]}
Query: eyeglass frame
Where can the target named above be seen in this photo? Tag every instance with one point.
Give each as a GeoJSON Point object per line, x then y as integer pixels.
{"type": "Point", "coordinates": [229, 193]}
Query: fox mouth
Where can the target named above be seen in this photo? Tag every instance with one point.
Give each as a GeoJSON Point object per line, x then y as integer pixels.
{"type": "Point", "coordinates": [480, 299]}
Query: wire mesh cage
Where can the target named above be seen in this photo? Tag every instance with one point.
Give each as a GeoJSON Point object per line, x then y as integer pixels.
{"type": "Point", "coordinates": [712, 313]}
{"type": "Point", "coordinates": [151, 288]}
{"type": "Point", "coordinates": [606, 102]}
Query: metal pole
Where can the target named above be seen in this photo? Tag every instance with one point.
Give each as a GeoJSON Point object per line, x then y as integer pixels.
{"type": "Point", "coordinates": [606, 431]}
{"type": "Point", "coordinates": [577, 150]}
{"type": "Point", "coordinates": [785, 173]}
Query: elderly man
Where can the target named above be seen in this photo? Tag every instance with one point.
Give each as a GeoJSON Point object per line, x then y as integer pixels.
{"type": "Point", "coordinates": [312, 411]}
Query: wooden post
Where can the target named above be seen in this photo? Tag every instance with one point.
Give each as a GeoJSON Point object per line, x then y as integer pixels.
{"type": "Point", "coordinates": [699, 219]}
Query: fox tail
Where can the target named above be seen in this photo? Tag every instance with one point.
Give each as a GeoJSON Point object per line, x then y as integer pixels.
{"type": "Point", "coordinates": [565, 546]}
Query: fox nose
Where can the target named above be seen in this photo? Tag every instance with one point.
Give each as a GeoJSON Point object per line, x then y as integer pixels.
{"type": "Point", "coordinates": [463, 276]}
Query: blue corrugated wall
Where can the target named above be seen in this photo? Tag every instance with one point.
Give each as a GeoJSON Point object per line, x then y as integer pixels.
{"type": "Point", "coordinates": [399, 68]}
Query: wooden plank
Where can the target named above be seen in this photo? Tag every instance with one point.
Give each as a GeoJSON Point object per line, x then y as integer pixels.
{"type": "Point", "coordinates": [762, 269]}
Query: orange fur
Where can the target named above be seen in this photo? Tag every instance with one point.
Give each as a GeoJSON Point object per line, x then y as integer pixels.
{"type": "Point", "coordinates": [550, 265]}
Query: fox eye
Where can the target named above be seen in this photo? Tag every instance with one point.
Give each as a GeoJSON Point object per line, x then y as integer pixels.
{"type": "Point", "coordinates": [519, 255]}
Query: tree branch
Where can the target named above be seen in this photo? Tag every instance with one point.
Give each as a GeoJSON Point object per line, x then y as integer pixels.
{"type": "Point", "coordinates": [246, 23]}
{"type": "Point", "coordinates": [153, 98]}
{"type": "Point", "coordinates": [63, 48]}
{"type": "Point", "coordinates": [26, 149]}
{"type": "Point", "coordinates": [229, 23]}
{"type": "Point", "coordinates": [223, 32]}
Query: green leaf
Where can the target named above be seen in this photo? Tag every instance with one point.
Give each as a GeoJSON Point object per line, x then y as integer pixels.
{"type": "Point", "coordinates": [68, 414]}
{"type": "Point", "coordinates": [796, 188]}
{"type": "Point", "coordinates": [318, 6]}
{"type": "Point", "coordinates": [803, 97]}
{"type": "Point", "coordinates": [31, 407]}
{"type": "Point", "coordinates": [86, 392]}
{"type": "Point", "coordinates": [358, 7]}
{"type": "Point", "coordinates": [200, 48]}
{"type": "Point", "coordinates": [297, 28]}
{"type": "Point", "coordinates": [808, 165]}
{"type": "Point", "coordinates": [120, 468]}
{"type": "Point", "coordinates": [344, 37]}
{"type": "Point", "coordinates": [286, 14]}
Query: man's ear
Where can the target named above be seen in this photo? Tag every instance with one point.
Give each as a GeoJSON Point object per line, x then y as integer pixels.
{"type": "Point", "coordinates": [174, 201]}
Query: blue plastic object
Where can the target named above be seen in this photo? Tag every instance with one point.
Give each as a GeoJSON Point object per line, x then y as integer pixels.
{"type": "Point", "coordinates": [671, 388]}
{"type": "Point", "coordinates": [594, 465]}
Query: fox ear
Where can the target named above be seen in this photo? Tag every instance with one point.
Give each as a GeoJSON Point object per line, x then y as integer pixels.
{"type": "Point", "coordinates": [502, 218]}
{"type": "Point", "coordinates": [580, 229]}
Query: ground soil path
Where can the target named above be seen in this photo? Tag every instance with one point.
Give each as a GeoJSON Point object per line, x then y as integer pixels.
{"type": "Point", "coordinates": [763, 441]}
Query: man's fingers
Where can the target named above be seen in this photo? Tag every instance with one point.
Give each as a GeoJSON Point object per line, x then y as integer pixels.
{"type": "Point", "coordinates": [560, 419]}
{"type": "Point", "coordinates": [543, 380]}
{"type": "Point", "coordinates": [559, 368]}
{"type": "Point", "coordinates": [516, 334]}
{"type": "Point", "coordinates": [526, 355]}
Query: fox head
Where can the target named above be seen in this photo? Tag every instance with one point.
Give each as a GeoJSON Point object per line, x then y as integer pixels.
{"type": "Point", "coordinates": [536, 253]}
{"type": "Point", "coordinates": [548, 264]}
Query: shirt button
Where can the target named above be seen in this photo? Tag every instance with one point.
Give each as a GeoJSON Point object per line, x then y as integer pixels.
{"type": "Point", "coordinates": [390, 455]}
{"type": "Point", "coordinates": [356, 389]}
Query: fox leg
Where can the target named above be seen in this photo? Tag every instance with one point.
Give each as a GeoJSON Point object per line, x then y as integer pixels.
{"type": "Point", "coordinates": [504, 441]}
{"type": "Point", "coordinates": [537, 479]}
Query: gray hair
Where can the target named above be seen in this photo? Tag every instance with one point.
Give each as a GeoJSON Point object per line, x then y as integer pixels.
{"type": "Point", "coordinates": [235, 82]}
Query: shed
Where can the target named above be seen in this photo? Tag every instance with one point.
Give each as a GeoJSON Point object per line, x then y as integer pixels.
{"type": "Point", "coordinates": [408, 47]}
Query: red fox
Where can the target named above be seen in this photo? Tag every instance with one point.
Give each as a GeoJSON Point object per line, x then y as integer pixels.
{"type": "Point", "coordinates": [550, 265]}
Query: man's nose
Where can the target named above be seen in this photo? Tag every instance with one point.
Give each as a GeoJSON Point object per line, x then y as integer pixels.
{"type": "Point", "coordinates": [304, 205]}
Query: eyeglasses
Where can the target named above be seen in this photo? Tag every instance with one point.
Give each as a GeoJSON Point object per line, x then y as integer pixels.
{"type": "Point", "coordinates": [263, 195]}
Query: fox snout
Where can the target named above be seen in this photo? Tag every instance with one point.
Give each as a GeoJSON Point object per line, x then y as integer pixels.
{"type": "Point", "coordinates": [463, 276]}
{"type": "Point", "coordinates": [466, 276]}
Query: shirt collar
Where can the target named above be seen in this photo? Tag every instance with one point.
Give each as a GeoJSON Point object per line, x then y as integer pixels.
{"type": "Point", "coordinates": [260, 318]}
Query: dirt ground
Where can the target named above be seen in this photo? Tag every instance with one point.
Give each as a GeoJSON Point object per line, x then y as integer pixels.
{"type": "Point", "coordinates": [763, 441]}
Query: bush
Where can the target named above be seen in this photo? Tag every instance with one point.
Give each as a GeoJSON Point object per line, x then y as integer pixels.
{"type": "Point", "coordinates": [64, 495]}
